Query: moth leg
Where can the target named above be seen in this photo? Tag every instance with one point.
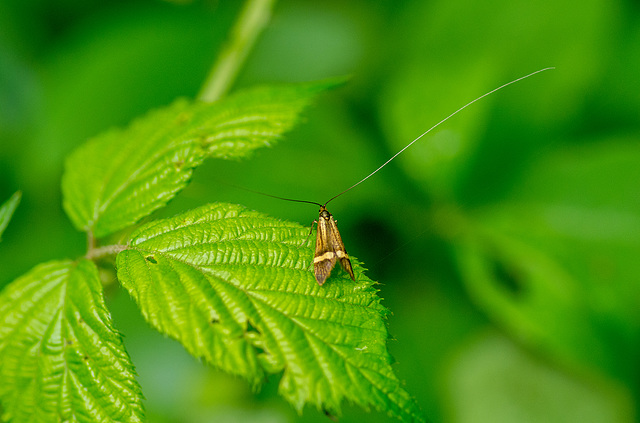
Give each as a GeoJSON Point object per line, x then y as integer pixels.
{"type": "Point", "coordinates": [315, 222]}
{"type": "Point", "coordinates": [310, 232]}
{"type": "Point", "coordinates": [311, 229]}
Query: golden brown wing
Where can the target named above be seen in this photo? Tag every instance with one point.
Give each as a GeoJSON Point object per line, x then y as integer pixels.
{"type": "Point", "coordinates": [329, 248]}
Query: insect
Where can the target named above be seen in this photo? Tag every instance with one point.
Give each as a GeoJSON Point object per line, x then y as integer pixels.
{"type": "Point", "coordinates": [329, 246]}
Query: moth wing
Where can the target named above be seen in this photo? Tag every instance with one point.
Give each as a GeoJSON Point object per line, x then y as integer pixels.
{"type": "Point", "coordinates": [330, 249]}
{"type": "Point", "coordinates": [325, 258]}
{"type": "Point", "coordinates": [346, 265]}
{"type": "Point", "coordinates": [323, 265]}
{"type": "Point", "coordinates": [338, 248]}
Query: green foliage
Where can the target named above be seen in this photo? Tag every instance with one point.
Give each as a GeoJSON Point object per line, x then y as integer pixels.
{"type": "Point", "coordinates": [516, 218]}
{"type": "Point", "coordinates": [61, 359]}
{"type": "Point", "coordinates": [503, 370]}
{"type": "Point", "coordinates": [525, 271]}
{"type": "Point", "coordinates": [123, 175]}
{"type": "Point", "coordinates": [235, 288]}
{"type": "Point", "coordinates": [7, 209]}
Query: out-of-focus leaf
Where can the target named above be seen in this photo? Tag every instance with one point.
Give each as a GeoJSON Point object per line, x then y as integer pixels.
{"type": "Point", "coordinates": [453, 57]}
{"type": "Point", "coordinates": [496, 381]}
{"type": "Point", "coordinates": [437, 158]}
{"type": "Point", "coordinates": [7, 209]}
{"type": "Point", "coordinates": [235, 287]}
{"type": "Point", "coordinates": [527, 291]}
{"type": "Point", "coordinates": [123, 175]}
{"type": "Point", "coordinates": [557, 264]}
{"type": "Point", "coordinates": [60, 357]}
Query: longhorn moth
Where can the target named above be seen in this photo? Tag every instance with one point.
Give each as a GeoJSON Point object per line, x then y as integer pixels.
{"type": "Point", "coordinates": [329, 246]}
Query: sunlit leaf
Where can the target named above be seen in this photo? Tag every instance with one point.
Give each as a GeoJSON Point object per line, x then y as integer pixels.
{"type": "Point", "coordinates": [7, 209]}
{"type": "Point", "coordinates": [123, 175]}
{"type": "Point", "coordinates": [235, 287]}
{"type": "Point", "coordinates": [60, 357]}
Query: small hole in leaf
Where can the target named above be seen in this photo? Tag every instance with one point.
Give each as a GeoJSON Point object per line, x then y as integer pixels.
{"type": "Point", "coordinates": [204, 142]}
{"type": "Point", "coordinates": [251, 328]}
{"type": "Point", "coordinates": [151, 259]}
{"type": "Point", "coordinates": [85, 358]}
{"type": "Point", "coordinates": [508, 276]}
{"type": "Point", "coordinates": [183, 118]}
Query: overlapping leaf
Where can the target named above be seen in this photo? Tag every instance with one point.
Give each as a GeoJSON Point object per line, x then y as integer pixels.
{"type": "Point", "coordinates": [236, 288]}
{"type": "Point", "coordinates": [60, 357]}
{"type": "Point", "coordinates": [557, 265]}
{"type": "Point", "coordinates": [123, 175]}
{"type": "Point", "coordinates": [7, 209]}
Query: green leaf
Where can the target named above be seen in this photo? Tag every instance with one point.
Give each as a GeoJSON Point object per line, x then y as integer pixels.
{"type": "Point", "coordinates": [60, 357]}
{"type": "Point", "coordinates": [7, 209]}
{"type": "Point", "coordinates": [495, 380]}
{"type": "Point", "coordinates": [557, 263]}
{"type": "Point", "coordinates": [120, 176]}
{"type": "Point", "coordinates": [235, 287]}
{"type": "Point", "coordinates": [527, 291]}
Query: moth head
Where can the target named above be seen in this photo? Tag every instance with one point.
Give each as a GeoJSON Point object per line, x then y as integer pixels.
{"type": "Point", "coordinates": [324, 213]}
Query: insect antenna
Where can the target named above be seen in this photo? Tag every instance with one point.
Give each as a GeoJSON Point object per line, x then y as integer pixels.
{"type": "Point", "coordinates": [434, 127]}
{"type": "Point", "coordinates": [275, 196]}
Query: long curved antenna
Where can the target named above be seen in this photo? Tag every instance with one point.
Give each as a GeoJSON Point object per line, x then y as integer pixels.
{"type": "Point", "coordinates": [275, 196]}
{"type": "Point", "coordinates": [434, 127]}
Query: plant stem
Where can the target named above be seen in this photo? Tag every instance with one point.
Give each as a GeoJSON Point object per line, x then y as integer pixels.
{"type": "Point", "coordinates": [96, 253]}
{"type": "Point", "coordinates": [253, 18]}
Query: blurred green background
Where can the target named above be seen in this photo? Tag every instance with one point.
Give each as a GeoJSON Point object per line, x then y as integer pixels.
{"type": "Point", "coordinates": [506, 242]}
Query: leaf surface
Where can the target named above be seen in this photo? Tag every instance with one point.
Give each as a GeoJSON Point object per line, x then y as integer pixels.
{"type": "Point", "coordinates": [60, 357]}
{"type": "Point", "coordinates": [122, 175]}
{"type": "Point", "coordinates": [235, 287]}
{"type": "Point", "coordinates": [7, 209]}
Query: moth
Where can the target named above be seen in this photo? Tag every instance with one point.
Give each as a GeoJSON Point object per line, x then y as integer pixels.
{"type": "Point", "coordinates": [329, 246]}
